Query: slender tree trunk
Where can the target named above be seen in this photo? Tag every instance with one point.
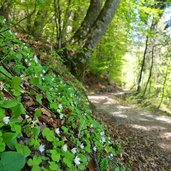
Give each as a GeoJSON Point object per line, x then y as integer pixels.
{"type": "Point", "coordinates": [142, 66]}
{"type": "Point", "coordinates": [164, 85]}
{"type": "Point", "coordinates": [150, 72]}
{"type": "Point", "coordinates": [65, 21]}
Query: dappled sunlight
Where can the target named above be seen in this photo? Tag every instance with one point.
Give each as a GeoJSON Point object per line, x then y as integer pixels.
{"type": "Point", "coordinates": [166, 135]}
{"type": "Point", "coordinates": [147, 128]}
{"type": "Point", "coordinates": [123, 107]}
{"type": "Point", "coordinates": [119, 114]}
{"type": "Point", "coordinates": [146, 114]}
{"type": "Point", "coordinates": [101, 99]}
{"type": "Point", "coordinates": [164, 119]}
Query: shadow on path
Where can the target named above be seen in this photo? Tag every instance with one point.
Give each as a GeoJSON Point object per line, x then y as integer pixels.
{"type": "Point", "coordinates": [148, 134]}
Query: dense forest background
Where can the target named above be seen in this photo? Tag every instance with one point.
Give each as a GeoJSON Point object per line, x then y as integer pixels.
{"type": "Point", "coordinates": [48, 48]}
{"type": "Point", "coordinates": [132, 50]}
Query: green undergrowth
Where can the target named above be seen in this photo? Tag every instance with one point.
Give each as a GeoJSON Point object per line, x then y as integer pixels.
{"type": "Point", "coordinates": [45, 122]}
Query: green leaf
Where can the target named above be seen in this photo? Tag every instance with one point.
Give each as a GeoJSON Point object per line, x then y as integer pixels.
{"type": "Point", "coordinates": [8, 103]}
{"type": "Point", "coordinates": [5, 72]}
{"type": "Point", "coordinates": [38, 113]}
{"type": "Point", "coordinates": [39, 98]}
{"type": "Point", "coordinates": [55, 155]}
{"type": "Point", "coordinates": [15, 83]}
{"type": "Point", "coordinates": [2, 113]}
{"type": "Point", "coordinates": [8, 136]}
{"type": "Point", "coordinates": [18, 110]}
{"type": "Point", "coordinates": [2, 145]}
{"type": "Point", "coordinates": [35, 161]}
{"type": "Point", "coordinates": [16, 128]}
{"type": "Point", "coordinates": [48, 134]}
{"type": "Point", "coordinates": [104, 164]}
{"type": "Point", "coordinates": [54, 105]}
{"type": "Point", "coordinates": [24, 150]}
{"type": "Point", "coordinates": [36, 131]}
{"type": "Point", "coordinates": [53, 165]}
{"type": "Point", "coordinates": [11, 161]}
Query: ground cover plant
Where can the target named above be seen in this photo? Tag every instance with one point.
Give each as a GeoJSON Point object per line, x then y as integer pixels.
{"type": "Point", "coordinates": [46, 123]}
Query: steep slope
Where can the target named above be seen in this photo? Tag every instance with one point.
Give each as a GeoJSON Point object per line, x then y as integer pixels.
{"type": "Point", "coordinates": [46, 120]}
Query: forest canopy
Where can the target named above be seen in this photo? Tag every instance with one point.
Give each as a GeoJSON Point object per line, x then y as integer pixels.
{"type": "Point", "coordinates": [46, 44]}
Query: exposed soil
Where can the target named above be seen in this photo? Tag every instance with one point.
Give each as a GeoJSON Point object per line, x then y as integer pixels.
{"type": "Point", "coordinates": [146, 136]}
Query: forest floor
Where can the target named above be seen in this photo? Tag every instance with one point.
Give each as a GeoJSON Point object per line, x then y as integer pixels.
{"type": "Point", "coordinates": [146, 136]}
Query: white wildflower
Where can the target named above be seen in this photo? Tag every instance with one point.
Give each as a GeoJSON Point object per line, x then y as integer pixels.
{"type": "Point", "coordinates": [77, 160]}
{"type": "Point", "coordinates": [4, 20]}
{"type": "Point", "coordinates": [60, 106]}
{"type": "Point", "coordinates": [10, 32]}
{"type": "Point", "coordinates": [61, 116]}
{"type": "Point", "coordinates": [26, 60]}
{"type": "Point", "coordinates": [27, 116]}
{"type": "Point", "coordinates": [64, 147]}
{"type": "Point", "coordinates": [35, 58]}
{"type": "Point", "coordinates": [58, 111]}
{"type": "Point", "coordinates": [43, 78]}
{"type": "Point", "coordinates": [102, 140]}
{"type": "Point", "coordinates": [35, 76]}
{"type": "Point", "coordinates": [29, 64]}
{"type": "Point", "coordinates": [43, 71]}
{"type": "Point", "coordinates": [42, 148]}
{"type": "Point", "coordinates": [57, 131]}
{"type": "Point", "coordinates": [102, 133]}
{"type": "Point", "coordinates": [6, 119]}
{"type": "Point", "coordinates": [41, 75]}
{"type": "Point", "coordinates": [94, 149]}
{"type": "Point", "coordinates": [82, 146]}
{"type": "Point", "coordinates": [16, 34]}
{"type": "Point", "coordinates": [74, 150]}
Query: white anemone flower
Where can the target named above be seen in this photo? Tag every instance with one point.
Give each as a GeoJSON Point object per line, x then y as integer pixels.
{"type": "Point", "coordinates": [61, 116]}
{"type": "Point", "coordinates": [27, 116]}
{"type": "Point", "coordinates": [6, 119]}
{"type": "Point", "coordinates": [42, 148]}
{"type": "Point", "coordinates": [102, 133]}
{"type": "Point", "coordinates": [94, 149]}
{"type": "Point", "coordinates": [65, 147]}
{"type": "Point", "coordinates": [82, 146]}
{"type": "Point", "coordinates": [77, 160]}
{"type": "Point", "coordinates": [57, 131]}
{"type": "Point", "coordinates": [74, 150]}
{"type": "Point", "coordinates": [60, 106]}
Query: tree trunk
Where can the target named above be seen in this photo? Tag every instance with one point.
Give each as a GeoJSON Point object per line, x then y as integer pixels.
{"type": "Point", "coordinates": [150, 72]}
{"type": "Point", "coordinates": [142, 66]}
{"type": "Point", "coordinates": [5, 9]}
{"type": "Point", "coordinates": [93, 37]}
{"type": "Point", "coordinates": [164, 85]}
{"type": "Point", "coordinates": [91, 16]}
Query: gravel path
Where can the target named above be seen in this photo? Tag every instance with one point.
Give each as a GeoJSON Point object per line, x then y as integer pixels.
{"type": "Point", "coordinates": [146, 135]}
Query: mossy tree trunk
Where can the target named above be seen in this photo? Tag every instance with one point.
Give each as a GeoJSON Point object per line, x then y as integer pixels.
{"type": "Point", "coordinates": [89, 34]}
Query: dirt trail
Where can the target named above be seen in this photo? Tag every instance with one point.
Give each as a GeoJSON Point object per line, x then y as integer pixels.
{"type": "Point", "coordinates": [147, 135]}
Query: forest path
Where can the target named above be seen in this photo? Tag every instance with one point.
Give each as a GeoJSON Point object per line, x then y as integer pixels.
{"type": "Point", "coordinates": [146, 135]}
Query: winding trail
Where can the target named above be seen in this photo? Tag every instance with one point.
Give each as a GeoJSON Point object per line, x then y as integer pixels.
{"type": "Point", "coordinates": [146, 135]}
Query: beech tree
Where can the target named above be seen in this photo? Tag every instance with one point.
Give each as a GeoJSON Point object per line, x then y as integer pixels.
{"type": "Point", "coordinates": [88, 35]}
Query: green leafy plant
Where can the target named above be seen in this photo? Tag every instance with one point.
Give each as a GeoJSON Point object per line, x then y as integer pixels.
{"type": "Point", "coordinates": [46, 122]}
